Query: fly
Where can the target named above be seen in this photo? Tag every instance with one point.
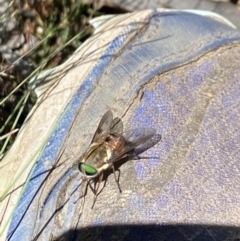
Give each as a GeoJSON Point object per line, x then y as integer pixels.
{"type": "Point", "coordinates": [107, 147]}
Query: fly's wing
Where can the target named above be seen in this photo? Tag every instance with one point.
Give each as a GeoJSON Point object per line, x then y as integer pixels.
{"type": "Point", "coordinates": [104, 127]}
{"type": "Point", "coordinates": [117, 127]}
{"type": "Point", "coordinates": [142, 137]}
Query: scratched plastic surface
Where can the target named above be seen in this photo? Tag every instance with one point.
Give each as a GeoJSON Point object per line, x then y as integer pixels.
{"type": "Point", "coordinates": [180, 75]}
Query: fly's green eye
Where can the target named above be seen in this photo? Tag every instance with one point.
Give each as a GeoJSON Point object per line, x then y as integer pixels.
{"type": "Point", "coordinates": [87, 170]}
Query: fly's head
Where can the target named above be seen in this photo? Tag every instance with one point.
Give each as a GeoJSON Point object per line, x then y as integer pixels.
{"type": "Point", "coordinates": [94, 160]}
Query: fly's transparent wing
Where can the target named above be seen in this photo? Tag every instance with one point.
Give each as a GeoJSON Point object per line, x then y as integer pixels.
{"type": "Point", "coordinates": [147, 145]}
{"type": "Point", "coordinates": [103, 127]}
{"type": "Point", "coordinates": [142, 137]}
{"type": "Point", "coordinates": [117, 127]}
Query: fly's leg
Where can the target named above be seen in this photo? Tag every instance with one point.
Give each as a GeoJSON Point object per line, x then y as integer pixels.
{"type": "Point", "coordinates": [86, 188]}
{"type": "Point", "coordinates": [85, 191]}
{"type": "Point", "coordinates": [117, 179]}
{"type": "Point", "coordinates": [96, 189]}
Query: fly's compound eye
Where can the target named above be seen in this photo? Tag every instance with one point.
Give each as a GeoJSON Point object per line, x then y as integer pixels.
{"type": "Point", "coordinates": [87, 170]}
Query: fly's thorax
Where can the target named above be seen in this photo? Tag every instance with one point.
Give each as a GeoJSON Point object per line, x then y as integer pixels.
{"type": "Point", "coordinates": [94, 160]}
{"type": "Point", "coordinates": [97, 155]}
